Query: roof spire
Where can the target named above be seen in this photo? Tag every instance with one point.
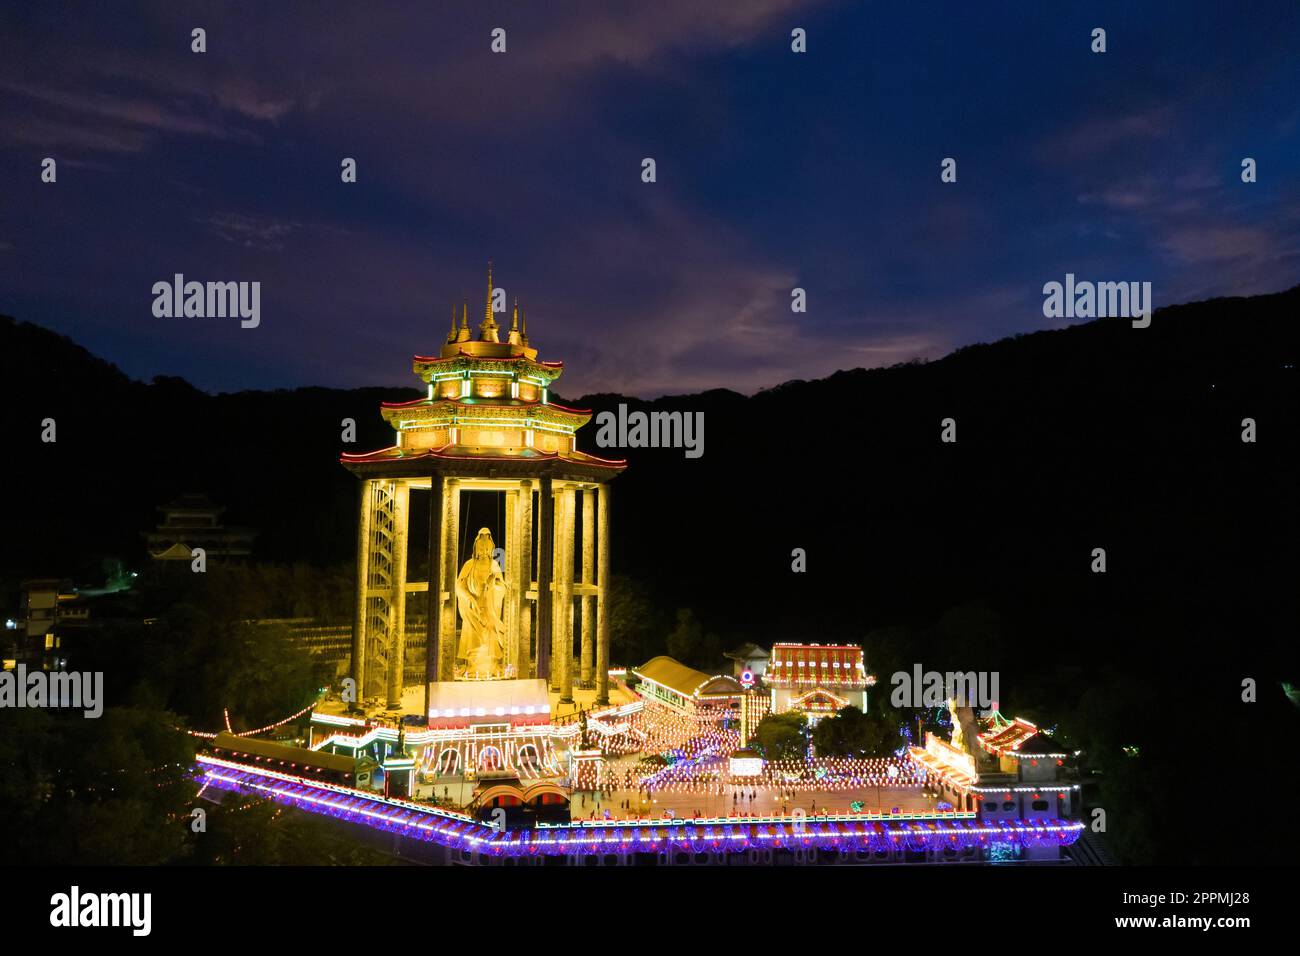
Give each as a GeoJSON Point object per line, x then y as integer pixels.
{"type": "Point", "coordinates": [488, 330]}
{"type": "Point", "coordinates": [523, 334]}
{"type": "Point", "coordinates": [514, 326]}
{"type": "Point", "coordinates": [462, 334]}
{"type": "Point", "coordinates": [451, 336]}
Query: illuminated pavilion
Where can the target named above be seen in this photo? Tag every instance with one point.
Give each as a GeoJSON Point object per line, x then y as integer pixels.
{"type": "Point", "coordinates": [486, 424]}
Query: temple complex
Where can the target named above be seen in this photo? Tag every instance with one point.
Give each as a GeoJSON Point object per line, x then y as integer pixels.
{"type": "Point", "coordinates": [483, 558]}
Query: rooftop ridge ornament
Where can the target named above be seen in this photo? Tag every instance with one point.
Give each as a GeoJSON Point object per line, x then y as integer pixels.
{"type": "Point", "coordinates": [488, 330]}
{"type": "Point", "coordinates": [462, 335]}
{"type": "Point", "coordinates": [513, 338]}
{"type": "Point", "coordinates": [486, 425]}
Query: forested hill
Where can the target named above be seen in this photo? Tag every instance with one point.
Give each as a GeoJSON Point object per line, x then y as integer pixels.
{"type": "Point", "coordinates": [1099, 435]}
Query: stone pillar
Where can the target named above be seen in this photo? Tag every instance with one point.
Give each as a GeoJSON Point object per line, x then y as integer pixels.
{"type": "Point", "coordinates": [588, 578]}
{"type": "Point", "coordinates": [557, 576]}
{"type": "Point", "coordinates": [510, 609]}
{"type": "Point", "coordinates": [564, 591]}
{"type": "Point", "coordinates": [450, 568]}
{"type": "Point", "coordinates": [433, 624]}
{"type": "Point", "coordinates": [364, 516]}
{"type": "Point", "coordinates": [525, 578]}
{"type": "Point", "coordinates": [545, 565]}
{"type": "Point", "coordinates": [397, 620]}
{"type": "Point", "coordinates": [602, 599]}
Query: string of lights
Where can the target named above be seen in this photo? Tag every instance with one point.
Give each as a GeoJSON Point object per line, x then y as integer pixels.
{"type": "Point", "coordinates": [225, 712]}
{"type": "Point", "coordinates": [932, 833]}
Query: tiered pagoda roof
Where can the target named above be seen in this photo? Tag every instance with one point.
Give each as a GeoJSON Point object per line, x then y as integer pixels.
{"type": "Point", "coordinates": [1020, 738]}
{"type": "Point", "coordinates": [487, 399]}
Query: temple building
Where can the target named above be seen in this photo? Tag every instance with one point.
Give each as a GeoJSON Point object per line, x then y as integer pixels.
{"type": "Point", "coordinates": [748, 657]}
{"type": "Point", "coordinates": [685, 689]}
{"type": "Point", "coordinates": [193, 521]}
{"type": "Point", "coordinates": [530, 608]}
{"type": "Point", "coordinates": [1006, 772]}
{"type": "Point", "coordinates": [817, 680]}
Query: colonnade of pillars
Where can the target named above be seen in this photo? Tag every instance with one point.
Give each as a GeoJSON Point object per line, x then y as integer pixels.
{"type": "Point", "coordinates": [542, 608]}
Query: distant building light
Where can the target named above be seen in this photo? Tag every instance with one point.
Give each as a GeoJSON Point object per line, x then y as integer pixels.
{"type": "Point", "coordinates": [10, 624]}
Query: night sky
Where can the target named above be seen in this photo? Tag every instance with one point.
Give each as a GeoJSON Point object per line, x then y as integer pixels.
{"type": "Point", "coordinates": [775, 170]}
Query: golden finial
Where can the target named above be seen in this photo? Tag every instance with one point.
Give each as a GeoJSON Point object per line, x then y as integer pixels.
{"type": "Point", "coordinates": [462, 334]}
{"type": "Point", "coordinates": [523, 334]}
{"type": "Point", "coordinates": [451, 336]}
{"type": "Point", "coordinates": [513, 337]}
{"type": "Point", "coordinates": [488, 330]}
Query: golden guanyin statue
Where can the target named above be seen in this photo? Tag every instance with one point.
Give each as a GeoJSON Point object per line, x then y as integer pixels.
{"type": "Point", "coordinates": [480, 599]}
{"type": "Point", "coordinates": [958, 729]}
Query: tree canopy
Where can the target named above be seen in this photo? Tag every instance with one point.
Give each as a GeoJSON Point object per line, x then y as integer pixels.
{"type": "Point", "coordinates": [781, 737]}
{"type": "Point", "coordinates": [851, 733]}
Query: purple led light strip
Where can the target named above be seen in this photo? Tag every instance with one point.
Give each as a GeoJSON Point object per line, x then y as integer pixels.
{"type": "Point", "coordinates": [640, 837]}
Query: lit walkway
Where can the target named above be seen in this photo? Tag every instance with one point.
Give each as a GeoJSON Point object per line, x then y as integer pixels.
{"type": "Point", "coordinates": [766, 801]}
{"type": "Point", "coordinates": [930, 833]}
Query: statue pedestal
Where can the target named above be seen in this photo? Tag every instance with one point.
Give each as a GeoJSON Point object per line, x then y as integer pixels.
{"type": "Point", "coordinates": [460, 703]}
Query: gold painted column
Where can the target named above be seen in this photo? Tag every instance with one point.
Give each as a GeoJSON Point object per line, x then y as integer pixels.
{"type": "Point", "coordinates": [567, 500]}
{"type": "Point", "coordinates": [397, 600]}
{"type": "Point", "coordinates": [364, 516]}
{"type": "Point", "coordinates": [524, 578]}
{"type": "Point", "coordinates": [450, 568]}
{"type": "Point", "coordinates": [510, 568]}
{"type": "Point", "coordinates": [557, 579]}
{"type": "Point", "coordinates": [602, 599]}
{"type": "Point", "coordinates": [545, 565]}
{"type": "Point", "coordinates": [566, 592]}
{"type": "Point", "coordinates": [588, 578]}
{"type": "Point", "coordinates": [433, 623]}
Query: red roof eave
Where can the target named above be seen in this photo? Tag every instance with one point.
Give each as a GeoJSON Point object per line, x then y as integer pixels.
{"type": "Point", "coordinates": [349, 458]}
{"type": "Point", "coordinates": [520, 404]}
{"type": "Point", "coordinates": [434, 359]}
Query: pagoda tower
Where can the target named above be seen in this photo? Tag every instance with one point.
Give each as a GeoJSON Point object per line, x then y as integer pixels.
{"type": "Point", "coordinates": [487, 424]}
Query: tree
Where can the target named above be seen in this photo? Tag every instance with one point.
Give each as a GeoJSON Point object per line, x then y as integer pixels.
{"type": "Point", "coordinates": [781, 737]}
{"type": "Point", "coordinates": [247, 831]}
{"type": "Point", "coordinates": [685, 639]}
{"type": "Point", "coordinates": [108, 791]}
{"type": "Point", "coordinates": [689, 643]}
{"type": "Point", "coordinates": [851, 733]}
{"type": "Point", "coordinates": [637, 621]}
